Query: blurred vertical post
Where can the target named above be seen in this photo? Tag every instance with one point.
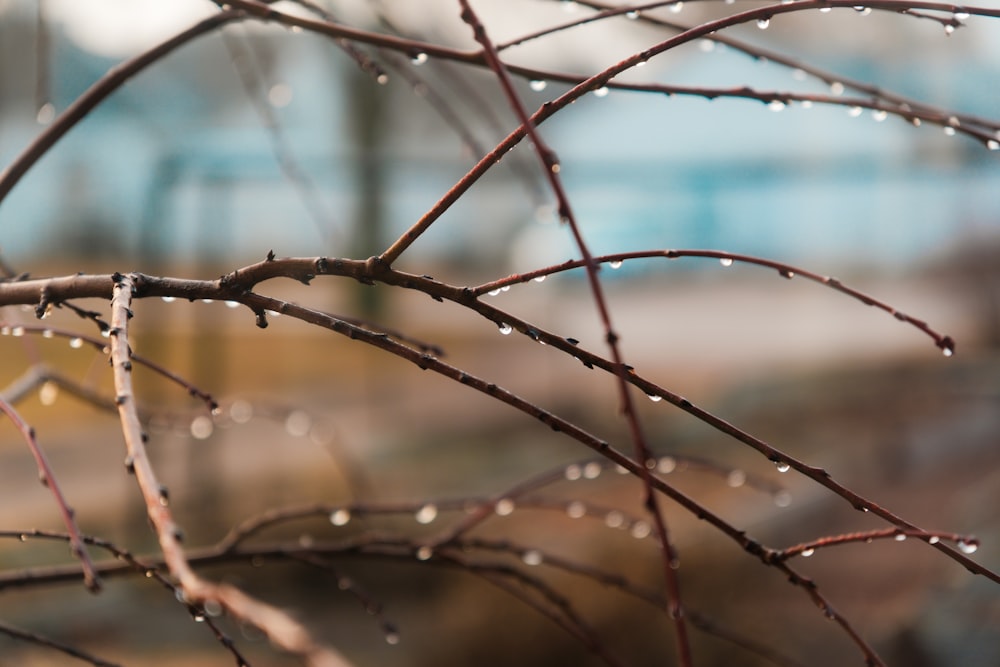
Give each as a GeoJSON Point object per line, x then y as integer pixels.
{"type": "Point", "coordinates": [366, 123]}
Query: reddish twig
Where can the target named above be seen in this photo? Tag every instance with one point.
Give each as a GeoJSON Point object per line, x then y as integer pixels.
{"type": "Point", "coordinates": [48, 480]}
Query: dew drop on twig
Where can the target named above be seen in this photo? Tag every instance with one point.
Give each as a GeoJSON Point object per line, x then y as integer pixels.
{"type": "Point", "coordinates": [202, 427]}
{"type": "Point", "coordinates": [340, 517]}
{"type": "Point", "coordinates": [993, 145]}
{"type": "Point", "coordinates": [933, 539]}
{"type": "Point", "coordinates": [967, 546]}
{"type": "Point", "coordinates": [632, 15]}
{"type": "Point", "coordinates": [667, 464]}
{"type": "Point", "coordinates": [241, 411]}
{"type": "Point", "coordinates": [614, 519]}
{"type": "Point", "coordinates": [616, 264]}
{"type": "Point", "coordinates": [576, 510]}
{"type": "Point", "coordinates": [655, 398]}
{"type": "Point", "coordinates": [736, 478]}
{"type": "Point", "coordinates": [392, 638]}
{"type": "Point", "coordinates": [168, 299]}
{"type": "Point", "coordinates": [505, 328]}
{"type": "Point", "coordinates": [879, 115]}
{"type": "Point", "coordinates": [298, 423]}
{"type": "Point", "coordinates": [854, 112]}
{"type": "Point", "coordinates": [676, 7]}
{"type": "Point", "coordinates": [76, 343]}
{"type": "Point", "coordinates": [825, 10]}
{"type": "Point", "coordinates": [504, 507]}
{"type": "Point", "coordinates": [763, 23]}
{"type": "Point", "coordinates": [538, 85]}
{"type": "Point", "coordinates": [48, 393]}
{"type": "Point", "coordinates": [419, 58]}
{"type": "Point", "coordinates": [426, 514]}
{"type": "Point", "coordinates": [726, 261]}
{"type": "Point", "coordinates": [806, 553]}
{"type": "Point", "coordinates": [573, 472]}
{"type": "Point", "coordinates": [837, 88]}
{"type": "Point", "coordinates": [532, 557]}
{"type": "Point", "coordinates": [602, 91]}
{"type": "Point", "coordinates": [592, 470]}
{"type": "Point", "coordinates": [46, 114]}
{"type": "Point", "coordinates": [424, 553]}
{"type": "Point", "coordinates": [782, 466]}
{"type": "Point", "coordinates": [961, 15]}
{"type": "Point", "coordinates": [900, 537]}
{"type": "Point", "coordinates": [776, 105]}
{"type": "Point", "coordinates": [640, 530]}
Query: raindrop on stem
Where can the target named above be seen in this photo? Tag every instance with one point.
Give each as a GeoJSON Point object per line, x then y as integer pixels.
{"type": "Point", "coordinates": [505, 328]}
{"type": "Point", "coordinates": [537, 85]}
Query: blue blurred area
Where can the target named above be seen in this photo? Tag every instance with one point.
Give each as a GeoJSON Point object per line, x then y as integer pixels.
{"type": "Point", "coordinates": [178, 158]}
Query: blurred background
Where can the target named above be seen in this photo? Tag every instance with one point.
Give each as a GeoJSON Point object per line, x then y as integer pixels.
{"type": "Point", "coordinates": [258, 138]}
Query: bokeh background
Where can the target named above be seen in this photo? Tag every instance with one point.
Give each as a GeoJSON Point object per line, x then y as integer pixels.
{"type": "Point", "coordinates": [261, 138]}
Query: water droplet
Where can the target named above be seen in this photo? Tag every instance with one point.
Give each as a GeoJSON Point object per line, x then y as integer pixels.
{"type": "Point", "coordinates": [592, 470]}
{"type": "Point", "coordinates": [764, 23]}
{"type": "Point", "coordinates": [298, 423]}
{"type": "Point", "coordinates": [861, 9]}
{"type": "Point", "coordinates": [614, 519]}
{"type": "Point", "coordinates": [949, 29]}
{"type": "Point", "coordinates": [232, 304]}
{"type": "Point", "coordinates": [825, 10]}
{"type": "Point", "coordinates": [576, 510]}
{"type": "Point", "coordinates": [782, 466]}
{"type": "Point", "coordinates": [504, 507]}
{"type": "Point", "coordinates": [949, 130]}
{"type": "Point", "coordinates": [46, 113]}
{"type": "Point", "coordinates": [573, 472]}
{"type": "Point", "coordinates": [241, 411]}
{"type": "Point", "coordinates": [340, 517]}
{"type": "Point", "coordinates": [555, 168]}
{"type": "Point", "coordinates": [48, 333]}
{"type": "Point", "coordinates": [392, 638]}
{"type": "Point", "coordinates": [602, 91]}
{"type": "Point", "coordinates": [540, 279]}
{"type": "Point", "coordinates": [537, 85]}
{"type": "Point", "coordinates": [726, 261]}
{"type": "Point", "coordinates": [201, 427]}
{"type": "Point", "coordinates": [961, 15]}
{"type": "Point", "coordinates": [736, 478]}
{"type": "Point", "coordinates": [776, 105]}
{"type": "Point", "coordinates": [993, 145]}
{"type": "Point", "coordinates": [632, 15]}
{"type": "Point", "coordinates": [419, 59]}
{"type": "Point", "coordinates": [382, 79]}
{"type": "Point", "coordinates": [424, 553]}
{"type": "Point", "coordinates": [76, 343]}
{"type": "Point", "coordinates": [168, 299]}
{"type": "Point", "coordinates": [17, 331]}
{"type": "Point", "coordinates": [836, 88]}
{"type": "Point", "coordinates": [640, 530]}
{"type": "Point", "coordinates": [879, 115]}
{"type": "Point", "coordinates": [854, 112]}
{"type": "Point", "coordinates": [494, 292]}
{"type": "Point", "coordinates": [676, 7]}
{"type": "Point", "coordinates": [806, 553]}
{"type": "Point", "coordinates": [900, 537]}
{"type": "Point", "coordinates": [655, 398]}
{"type": "Point", "coordinates": [48, 393]}
{"type": "Point", "coordinates": [505, 328]}
{"type": "Point", "coordinates": [569, 6]}
{"type": "Point", "coordinates": [667, 465]}
{"type": "Point", "coordinates": [967, 546]}
{"type": "Point", "coordinates": [280, 95]}
{"type": "Point", "coordinates": [706, 45]}
{"type": "Point", "coordinates": [616, 264]}
{"type": "Point", "coordinates": [532, 557]}
{"type": "Point", "coordinates": [933, 539]}
{"type": "Point", "coordinates": [427, 513]}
